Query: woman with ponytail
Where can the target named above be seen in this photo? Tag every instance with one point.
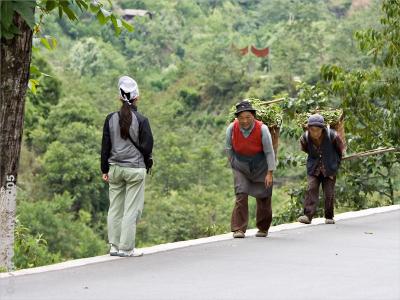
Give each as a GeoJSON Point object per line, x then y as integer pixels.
{"type": "Point", "coordinates": [126, 150]}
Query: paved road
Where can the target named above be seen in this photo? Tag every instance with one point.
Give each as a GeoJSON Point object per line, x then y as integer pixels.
{"type": "Point", "coordinates": [354, 259]}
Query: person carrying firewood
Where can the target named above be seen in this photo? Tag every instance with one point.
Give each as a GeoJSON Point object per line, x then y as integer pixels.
{"type": "Point", "coordinates": [251, 155]}
{"type": "Point", "coordinates": [325, 151]}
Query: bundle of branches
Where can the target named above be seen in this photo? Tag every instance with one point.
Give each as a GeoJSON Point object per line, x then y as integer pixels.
{"type": "Point", "coordinates": [334, 118]}
{"type": "Point", "coordinates": [270, 114]}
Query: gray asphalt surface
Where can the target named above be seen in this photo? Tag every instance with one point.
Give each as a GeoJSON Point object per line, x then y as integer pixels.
{"type": "Point", "coordinates": [353, 259]}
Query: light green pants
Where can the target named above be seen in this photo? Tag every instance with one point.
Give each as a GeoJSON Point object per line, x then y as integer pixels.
{"type": "Point", "coordinates": [126, 189]}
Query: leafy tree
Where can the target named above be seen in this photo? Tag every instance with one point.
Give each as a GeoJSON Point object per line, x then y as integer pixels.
{"type": "Point", "coordinates": [67, 236]}
{"type": "Point", "coordinates": [70, 165]}
{"type": "Point", "coordinates": [38, 104]}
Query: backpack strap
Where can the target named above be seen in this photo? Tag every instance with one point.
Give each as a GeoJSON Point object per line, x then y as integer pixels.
{"type": "Point", "coordinates": [329, 131]}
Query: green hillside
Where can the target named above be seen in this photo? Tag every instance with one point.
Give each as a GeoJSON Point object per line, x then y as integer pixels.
{"type": "Point", "coordinates": [189, 75]}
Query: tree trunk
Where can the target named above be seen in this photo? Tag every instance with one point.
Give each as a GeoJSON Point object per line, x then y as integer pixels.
{"type": "Point", "coordinates": [15, 58]}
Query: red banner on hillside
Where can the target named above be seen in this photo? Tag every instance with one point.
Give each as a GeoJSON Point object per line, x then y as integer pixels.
{"type": "Point", "coordinates": [260, 52]}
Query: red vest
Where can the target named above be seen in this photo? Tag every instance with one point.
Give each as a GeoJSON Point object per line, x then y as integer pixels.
{"type": "Point", "coordinates": [249, 146]}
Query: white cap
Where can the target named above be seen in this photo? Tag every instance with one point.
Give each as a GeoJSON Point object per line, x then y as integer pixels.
{"type": "Point", "coordinates": [128, 85]}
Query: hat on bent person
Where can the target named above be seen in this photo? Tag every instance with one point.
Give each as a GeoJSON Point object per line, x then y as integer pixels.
{"type": "Point", "coordinates": [244, 106]}
{"type": "Point", "coordinates": [316, 120]}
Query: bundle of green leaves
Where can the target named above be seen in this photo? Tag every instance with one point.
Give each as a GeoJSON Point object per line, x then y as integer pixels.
{"type": "Point", "coordinates": [271, 115]}
{"type": "Point", "coordinates": [331, 116]}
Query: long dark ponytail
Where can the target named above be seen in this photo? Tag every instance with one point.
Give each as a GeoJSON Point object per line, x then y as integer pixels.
{"type": "Point", "coordinates": [125, 118]}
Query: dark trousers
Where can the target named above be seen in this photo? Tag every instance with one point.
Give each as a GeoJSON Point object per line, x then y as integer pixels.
{"type": "Point", "coordinates": [240, 214]}
{"type": "Point", "coordinates": [312, 195]}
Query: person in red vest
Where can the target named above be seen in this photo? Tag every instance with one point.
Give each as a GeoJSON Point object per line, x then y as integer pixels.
{"type": "Point", "coordinates": [251, 155]}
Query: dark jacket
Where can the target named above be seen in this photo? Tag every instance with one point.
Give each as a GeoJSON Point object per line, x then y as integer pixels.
{"type": "Point", "coordinates": [115, 149]}
{"type": "Point", "coordinates": [331, 150]}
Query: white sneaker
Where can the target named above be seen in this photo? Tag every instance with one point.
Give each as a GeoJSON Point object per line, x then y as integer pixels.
{"type": "Point", "coordinates": [130, 253]}
{"type": "Point", "coordinates": [113, 250]}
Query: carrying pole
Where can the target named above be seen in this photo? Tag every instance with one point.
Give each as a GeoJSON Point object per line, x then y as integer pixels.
{"type": "Point", "coordinates": [371, 152]}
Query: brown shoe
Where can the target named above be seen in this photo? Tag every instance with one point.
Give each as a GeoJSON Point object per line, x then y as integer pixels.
{"type": "Point", "coordinates": [238, 234]}
{"type": "Point", "coordinates": [262, 233]}
{"type": "Point", "coordinates": [304, 220]}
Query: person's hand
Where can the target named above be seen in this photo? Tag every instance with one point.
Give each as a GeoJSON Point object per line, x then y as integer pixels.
{"type": "Point", "coordinates": [105, 177]}
{"type": "Point", "coordinates": [268, 179]}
